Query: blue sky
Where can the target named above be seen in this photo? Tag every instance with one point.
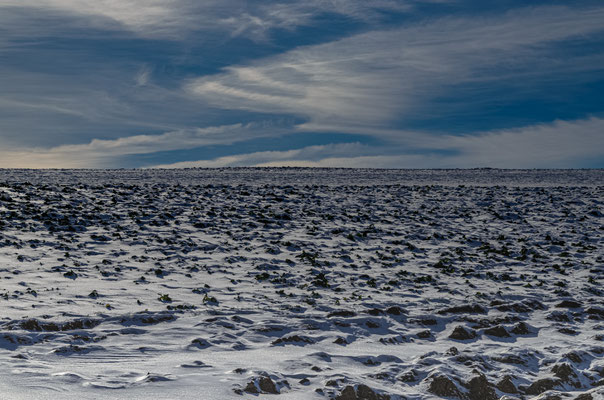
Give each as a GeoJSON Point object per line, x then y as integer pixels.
{"type": "Point", "coordinates": [357, 83]}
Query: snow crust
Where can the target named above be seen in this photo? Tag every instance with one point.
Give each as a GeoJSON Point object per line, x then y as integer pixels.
{"type": "Point", "coordinates": [301, 283]}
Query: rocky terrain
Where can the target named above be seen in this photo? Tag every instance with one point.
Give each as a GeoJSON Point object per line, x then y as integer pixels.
{"type": "Point", "coordinates": [302, 284]}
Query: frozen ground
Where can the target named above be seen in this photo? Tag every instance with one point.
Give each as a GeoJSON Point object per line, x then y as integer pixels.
{"type": "Point", "coordinates": [313, 284]}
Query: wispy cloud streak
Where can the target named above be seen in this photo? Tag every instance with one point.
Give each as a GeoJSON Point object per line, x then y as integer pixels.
{"type": "Point", "coordinates": [370, 79]}
{"type": "Point", "coordinates": [104, 153]}
{"type": "Point", "coordinates": [560, 144]}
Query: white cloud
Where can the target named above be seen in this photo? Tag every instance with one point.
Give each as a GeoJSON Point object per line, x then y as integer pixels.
{"type": "Point", "coordinates": [369, 80]}
{"type": "Point", "coordinates": [102, 153]}
{"type": "Point", "coordinates": [560, 144]}
{"type": "Point", "coordinates": [304, 154]}
{"type": "Point", "coordinates": [363, 84]}
{"type": "Point", "coordinates": [151, 16]}
{"type": "Point", "coordinates": [171, 18]}
{"type": "Point", "coordinates": [143, 76]}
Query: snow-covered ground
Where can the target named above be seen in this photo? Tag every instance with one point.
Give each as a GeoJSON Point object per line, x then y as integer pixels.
{"type": "Point", "coordinates": [311, 284]}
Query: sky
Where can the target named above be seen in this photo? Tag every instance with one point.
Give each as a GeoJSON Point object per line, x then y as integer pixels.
{"type": "Point", "coordinates": [316, 83]}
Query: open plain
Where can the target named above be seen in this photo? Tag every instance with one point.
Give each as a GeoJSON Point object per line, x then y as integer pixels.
{"type": "Point", "coordinates": [302, 284]}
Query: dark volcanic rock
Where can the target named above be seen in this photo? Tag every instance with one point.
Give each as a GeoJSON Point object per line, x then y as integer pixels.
{"type": "Point", "coordinates": [362, 392]}
{"type": "Point", "coordinates": [347, 394]}
{"type": "Point", "coordinates": [251, 388]}
{"type": "Point", "coordinates": [409, 376]}
{"type": "Point", "coordinates": [497, 331]}
{"type": "Point", "coordinates": [564, 372]}
{"type": "Point", "coordinates": [443, 386]}
{"type": "Point", "coordinates": [452, 351]}
{"type": "Point", "coordinates": [78, 324]}
{"type": "Point", "coordinates": [542, 385]}
{"type": "Point", "coordinates": [595, 313]}
{"type": "Point", "coordinates": [524, 307]}
{"type": "Point", "coordinates": [574, 357]}
{"type": "Point", "coordinates": [341, 341]}
{"type": "Point", "coordinates": [295, 339]}
{"type": "Point", "coordinates": [263, 384]}
{"type": "Point", "coordinates": [424, 334]}
{"type": "Point", "coordinates": [568, 331]}
{"type": "Point", "coordinates": [267, 385]}
{"type": "Point", "coordinates": [568, 304]}
{"type": "Point", "coordinates": [521, 329]}
{"type": "Point", "coordinates": [480, 389]}
{"type": "Point", "coordinates": [395, 310]}
{"type": "Point", "coordinates": [506, 385]}
{"type": "Point", "coordinates": [510, 359]}
{"type": "Point", "coordinates": [558, 316]}
{"type": "Point", "coordinates": [470, 309]}
{"type": "Point", "coordinates": [342, 313]}
{"type": "Point", "coordinates": [461, 333]}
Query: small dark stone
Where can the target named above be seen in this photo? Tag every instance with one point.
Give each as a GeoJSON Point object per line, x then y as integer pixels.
{"type": "Point", "coordinates": [267, 385]}
{"type": "Point", "coordinates": [263, 384]}
{"type": "Point", "coordinates": [558, 316]}
{"type": "Point", "coordinates": [452, 351]}
{"type": "Point", "coordinates": [574, 357]}
{"type": "Point", "coordinates": [596, 312]}
{"type": "Point", "coordinates": [521, 329]}
{"type": "Point", "coordinates": [292, 339]}
{"type": "Point", "coordinates": [510, 359]}
{"type": "Point", "coordinates": [30, 325]}
{"type": "Point", "coordinates": [408, 377]}
{"type": "Point", "coordinates": [394, 310]}
{"type": "Point", "coordinates": [506, 385]}
{"type": "Point", "coordinates": [424, 334]}
{"type": "Point", "coordinates": [542, 385]}
{"type": "Point", "coordinates": [443, 386]}
{"type": "Point", "coordinates": [251, 388]}
{"type": "Point", "coordinates": [347, 394]}
{"type": "Point", "coordinates": [461, 333]}
{"type": "Point", "coordinates": [372, 325]}
{"type": "Point", "coordinates": [568, 304]}
{"type": "Point", "coordinates": [480, 389]}
{"type": "Point", "coordinates": [564, 372]}
{"type": "Point", "coordinates": [584, 396]}
{"type": "Point", "coordinates": [464, 309]}
{"type": "Point", "coordinates": [340, 341]}
{"type": "Point", "coordinates": [497, 331]}
{"type": "Point", "coordinates": [363, 392]}
{"type": "Point", "coordinates": [342, 313]}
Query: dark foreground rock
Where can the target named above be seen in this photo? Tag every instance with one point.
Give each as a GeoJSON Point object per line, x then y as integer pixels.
{"type": "Point", "coordinates": [362, 392]}
{"type": "Point", "coordinates": [480, 389]}
{"type": "Point", "coordinates": [443, 386]}
{"type": "Point", "coordinates": [461, 333]}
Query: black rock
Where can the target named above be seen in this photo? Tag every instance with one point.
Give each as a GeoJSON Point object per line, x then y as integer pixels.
{"type": "Point", "coordinates": [461, 333]}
